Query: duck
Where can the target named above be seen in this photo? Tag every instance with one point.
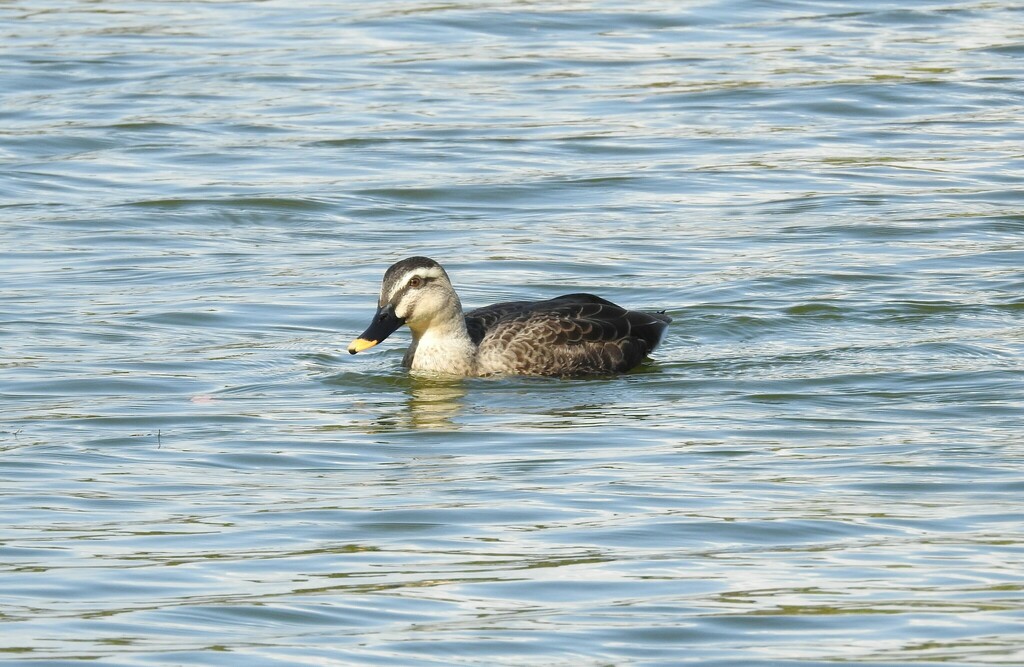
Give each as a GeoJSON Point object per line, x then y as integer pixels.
{"type": "Point", "coordinates": [569, 335]}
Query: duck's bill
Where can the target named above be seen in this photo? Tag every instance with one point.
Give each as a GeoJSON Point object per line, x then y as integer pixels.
{"type": "Point", "coordinates": [385, 323]}
{"type": "Point", "coordinates": [360, 344]}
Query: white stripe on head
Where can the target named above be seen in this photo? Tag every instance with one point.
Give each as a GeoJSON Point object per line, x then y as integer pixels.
{"type": "Point", "coordinates": [423, 272]}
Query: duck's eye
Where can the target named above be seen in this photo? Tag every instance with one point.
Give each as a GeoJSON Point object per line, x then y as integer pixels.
{"type": "Point", "coordinates": [415, 281]}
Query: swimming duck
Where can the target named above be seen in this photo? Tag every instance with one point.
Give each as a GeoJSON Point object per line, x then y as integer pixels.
{"type": "Point", "coordinates": [573, 334]}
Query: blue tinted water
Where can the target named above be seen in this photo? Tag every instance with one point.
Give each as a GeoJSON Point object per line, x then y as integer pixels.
{"type": "Point", "coordinates": [823, 463]}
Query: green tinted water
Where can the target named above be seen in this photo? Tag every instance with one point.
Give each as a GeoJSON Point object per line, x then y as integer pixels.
{"type": "Point", "coordinates": [823, 463]}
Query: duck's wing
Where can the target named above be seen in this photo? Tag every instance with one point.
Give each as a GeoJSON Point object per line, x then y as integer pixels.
{"type": "Point", "coordinates": [481, 320]}
{"type": "Point", "coordinates": [573, 334]}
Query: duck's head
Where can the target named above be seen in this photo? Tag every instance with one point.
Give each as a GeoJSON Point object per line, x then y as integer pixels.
{"type": "Point", "coordinates": [415, 291]}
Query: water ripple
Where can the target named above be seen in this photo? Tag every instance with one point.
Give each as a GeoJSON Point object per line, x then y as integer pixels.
{"type": "Point", "coordinates": [821, 464]}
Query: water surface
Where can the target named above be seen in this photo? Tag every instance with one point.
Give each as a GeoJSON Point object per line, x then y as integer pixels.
{"type": "Point", "coordinates": [822, 464]}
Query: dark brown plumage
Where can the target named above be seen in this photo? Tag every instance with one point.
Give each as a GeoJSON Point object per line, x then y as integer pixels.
{"type": "Point", "coordinates": [573, 334]}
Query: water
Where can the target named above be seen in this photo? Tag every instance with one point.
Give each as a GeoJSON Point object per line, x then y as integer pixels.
{"type": "Point", "coordinates": [823, 463]}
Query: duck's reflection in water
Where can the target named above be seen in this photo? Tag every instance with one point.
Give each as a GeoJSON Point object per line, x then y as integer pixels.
{"type": "Point", "coordinates": [434, 402]}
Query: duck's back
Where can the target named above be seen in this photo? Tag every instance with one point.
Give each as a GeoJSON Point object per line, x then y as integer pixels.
{"type": "Point", "coordinates": [574, 334]}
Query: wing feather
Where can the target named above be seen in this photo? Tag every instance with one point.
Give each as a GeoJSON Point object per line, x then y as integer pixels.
{"type": "Point", "coordinates": [569, 335]}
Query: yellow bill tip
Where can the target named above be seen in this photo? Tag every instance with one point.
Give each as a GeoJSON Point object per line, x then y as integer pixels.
{"type": "Point", "coordinates": [360, 344]}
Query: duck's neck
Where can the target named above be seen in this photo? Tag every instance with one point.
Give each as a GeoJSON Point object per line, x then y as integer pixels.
{"type": "Point", "coordinates": [442, 345]}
